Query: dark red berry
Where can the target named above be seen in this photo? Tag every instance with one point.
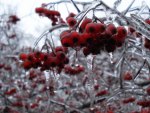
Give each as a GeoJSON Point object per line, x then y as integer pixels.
{"type": "Point", "coordinates": [84, 23]}
{"type": "Point", "coordinates": [112, 29]}
{"type": "Point", "coordinates": [71, 21]}
{"type": "Point", "coordinates": [23, 56]}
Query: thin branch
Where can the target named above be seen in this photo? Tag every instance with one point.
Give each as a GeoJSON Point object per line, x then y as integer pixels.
{"type": "Point", "coordinates": [68, 1]}
{"type": "Point", "coordinates": [48, 31]}
{"type": "Point", "coordinates": [137, 73]}
{"type": "Point", "coordinates": [128, 8]}
{"type": "Point", "coordinates": [142, 84]}
{"type": "Point", "coordinates": [75, 6]}
{"type": "Point", "coordinates": [120, 74]}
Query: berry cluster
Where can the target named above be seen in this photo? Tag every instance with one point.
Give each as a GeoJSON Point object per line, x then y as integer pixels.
{"type": "Point", "coordinates": [45, 61]}
{"type": "Point", "coordinates": [144, 103]}
{"type": "Point", "coordinates": [128, 100]}
{"type": "Point", "coordinates": [5, 67]}
{"type": "Point", "coordinates": [134, 33]}
{"type": "Point", "coordinates": [13, 19]}
{"type": "Point", "coordinates": [73, 70]}
{"type": "Point", "coordinates": [37, 76]}
{"type": "Point", "coordinates": [93, 37]}
{"type": "Point", "coordinates": [11, 91]}
{"type": "Point", "coordinates": [101, 93]}
{"type": "Point", "coordinates": [2, 65]}
{"type": "Point", "coordinates": [51, 14]}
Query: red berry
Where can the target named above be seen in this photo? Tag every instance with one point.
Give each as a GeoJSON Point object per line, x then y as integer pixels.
{"type": "Point", "coordinates": [80, 68]}
{"type": "Point", "coordinates": [2, 65]}
{"type": "Point", "coordinates": [112, 29]}
{"type": "Point", "coordinates": [147, 43]}
{"type": "Point", "coordinates": [31, 57]}
{"type": "Point", "coordinates": [127, 76]}
{"type": "Point", "coordinates": [8, 68]}
{"type": "Point", "coordinates": [84, 23]}
{"type": "Point", "coordinates": [11, 91]}
{"type": "Point", "coordinates": [72, 15]}
{"type": "Point", "coordinates": [60, 55]}
{"type": "Point", "coordinates": [64, 33]}
{"type": "Point", "coordinates": [144, 103]}
{"type": "Point", "coordinates": [43, 56]}
{"type": "Point", "coordinates": [13, 19]}
{"type": "Point", "coordinates": [101, 93]}
{"type": "Point", "coordinates": [96, 86]}
{"type": "Point", "coordinates": [37, 54]}
{"type": "Point", "coordinates": [34, 105]}
{"type": "Point", "coordinates": [27, 64]}
{"type": "Point", "coordinates": [39, 10]}
{"type": "Point", "coordinates": [71, 21]}
{"type": "Point", "coordinates": [110, 45]}
{"type": "Point", "coordinates": [129, 100]}
{"type": "Point", "coordinates": [147, 21]}
{"type": "Point", "coordinates": [75, 37]}
{"type": "Point", "coordinates": [131, 30]}
{"type": "Point", "coordinates": [95, 28]}
{"type": "Point", "coordinates": [120, 36]}
{"type": "Point", "coordinates": [82, 40]}
{"type": "Point", "coordinates": [51, 13]}
{"type": "Point", "coordinates": [100, 27]}
{"type": "Point", "coordinates": [17, 104]}
{"type": "Point", "coordinates": [61, 48]}
{"type": "Point", "coordinates": [145, 110]}
{"type": "Point", "coordinates": [86, 51]}
{"type": "Point", "coordinates": [121, 31]}
{"type": "Point", "coordinates": [53, 61]}
{"type": "Point", "coordinates": [23, 56]}
{"type": "Point", "coordinates": [91, 28]}
{"type": "Point", "coordinates": [67, 41]}
{"type": "Point", "coordinates": [88, 38]}
{"type": "Point", "coordinates": [148, 90]}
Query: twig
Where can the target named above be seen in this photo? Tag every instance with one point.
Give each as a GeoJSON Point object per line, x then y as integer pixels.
{"type": "Point", "coordinates": [75, 6]}
{"type": "Point", "coordinates": [48, 31]}
{"type": "Point", "coordinates": [87, 105]}
{"type": "Point", "coordinates": [142, 84]}
{"type": "Point", "coordinates": [128, 8]}
{"type": "Point", "coordinates": [120, 73]}
{"type": "Point", "coordinates": [68, 1]}
{"type": "Point", "coordinates": [135, 76]}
